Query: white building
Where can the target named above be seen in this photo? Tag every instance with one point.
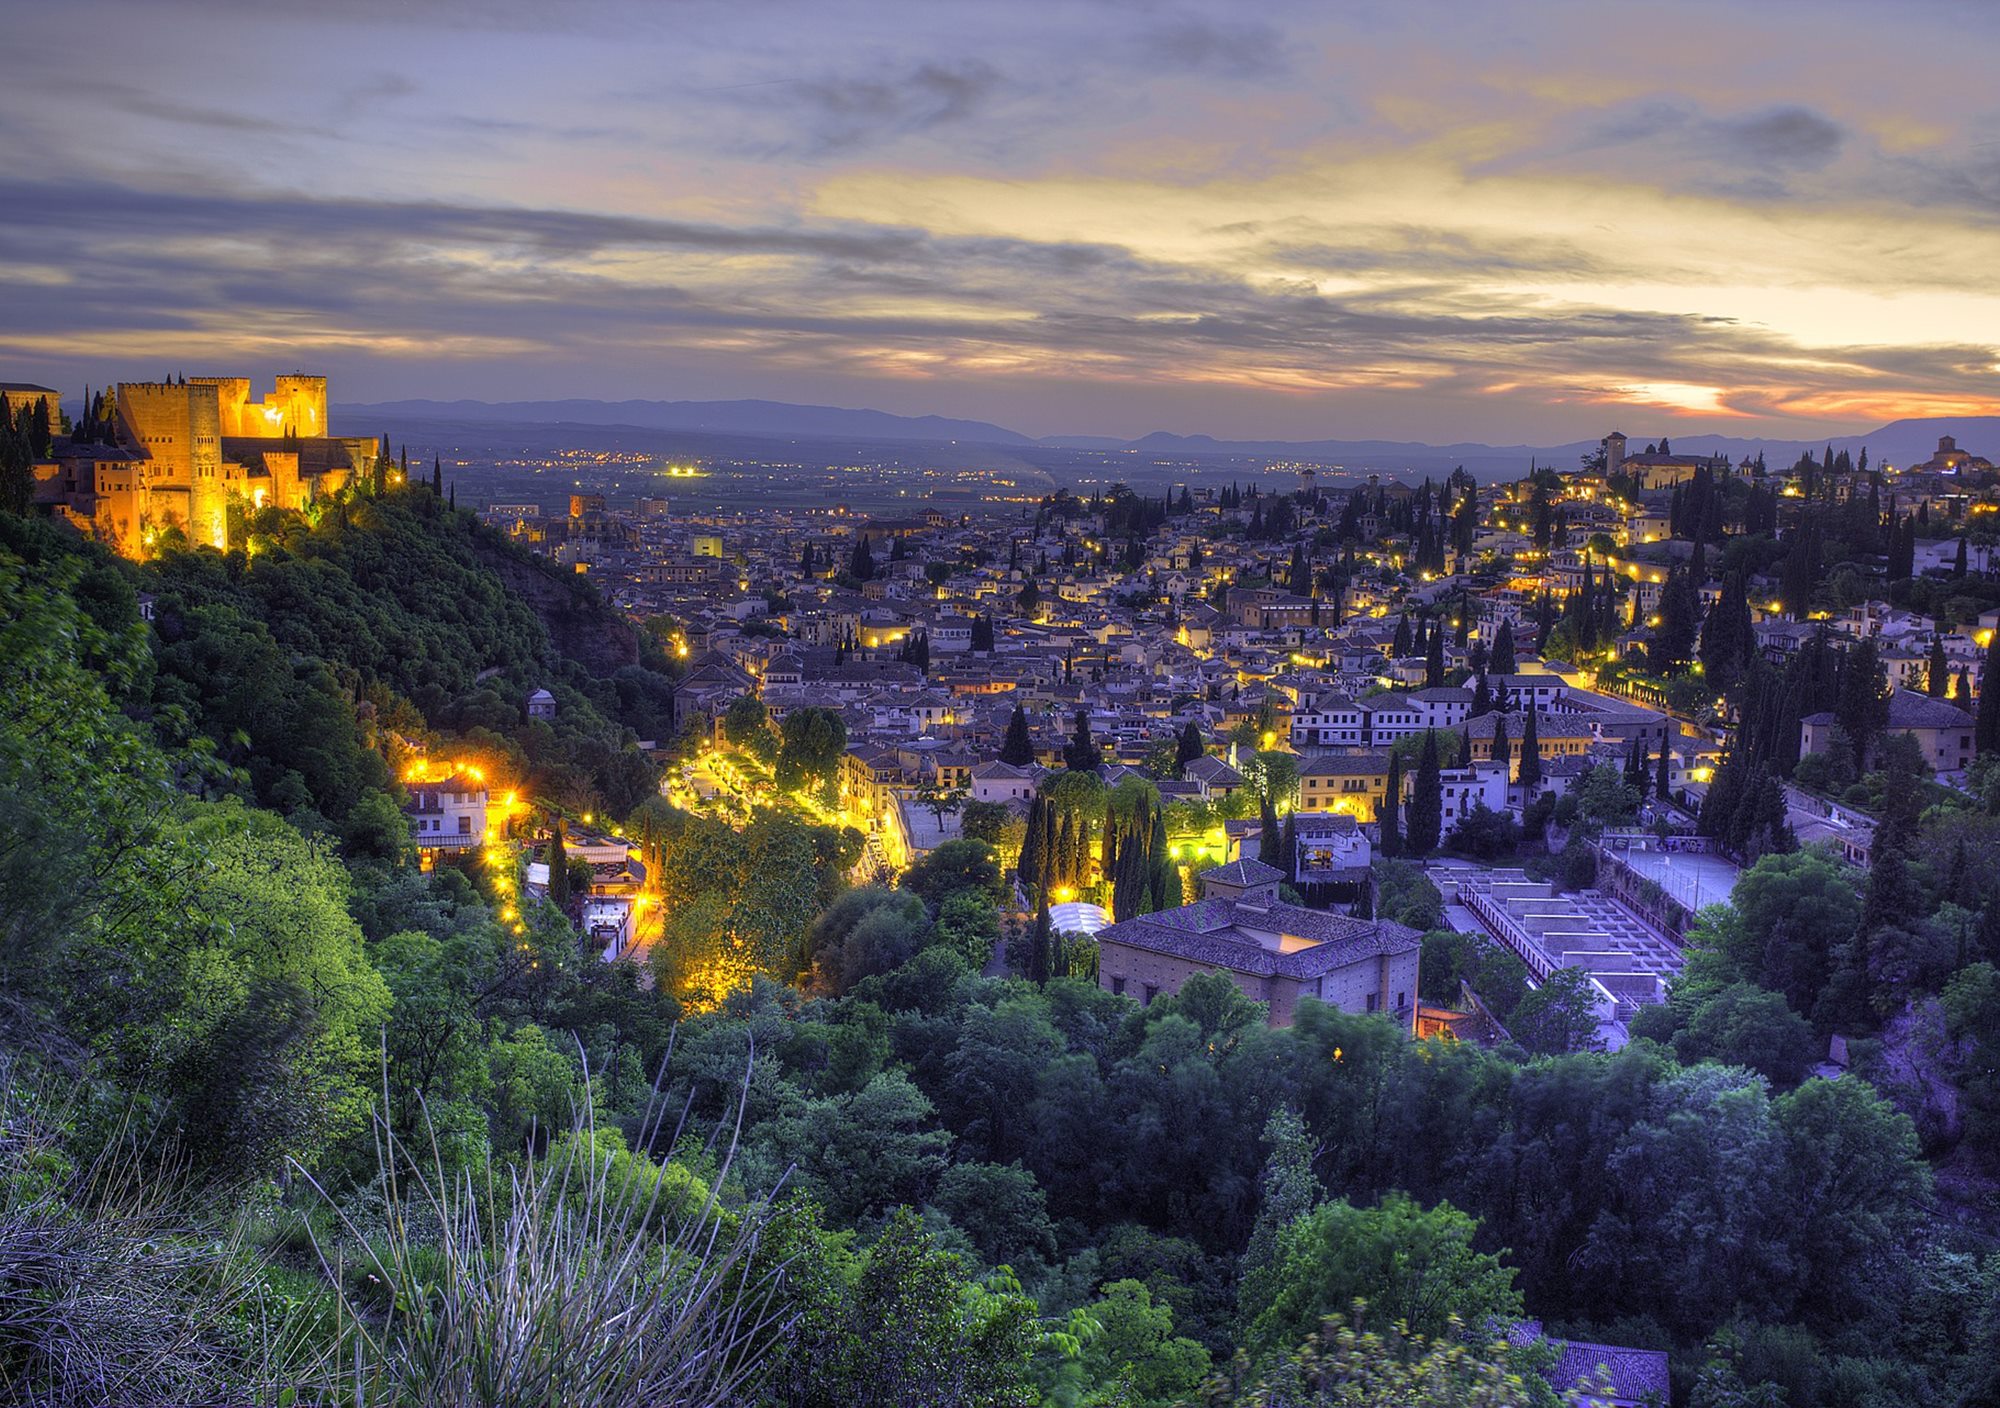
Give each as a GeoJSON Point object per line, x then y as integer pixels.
{"type": "Point", "coordinates": [448, 815]}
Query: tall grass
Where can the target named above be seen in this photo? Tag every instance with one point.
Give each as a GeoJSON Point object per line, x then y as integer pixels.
{"type": "Point", "coordinates": [567, 1281]}
{"type": "Point", "coordinates": [115, 1287]}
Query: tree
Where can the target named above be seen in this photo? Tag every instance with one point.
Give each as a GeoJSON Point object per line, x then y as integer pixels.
{"type": "Point", "coordinates": [1785, 918]}
{"type": "Point", "coordinates": [861, 562]}
{"type": "Point", "coordinates": [557, 858]}
{"type": "Point", "coordinates": [865, 931]}
{"type": "Point", "coordinates": [1392, 808]}
{"type": "Point", "coordinates": [1863, 706]}
{"type": "Point", "coordinates": [1502, 661]}
{"type": "Point", "coordinates": [954, 867]}
{"type": "Point", "coordinates": [1503, 748]}
{"type": "Point", "coordinates": [1082, 755]}
{"type": "Point", "coordinates": [1558, 1017]}
{"type": "Point", "coordinates": [1937, 677]}
{"type": "Point", "coordinates": [809, 756]}
{"type": "Point", "coordinates": [1742, 1025]}
{"type": "Point", "coordinates": [1986, 729]}
{"type": "Point", "coordinates": [1434, 658]}
{"type": "Point", "coordinates": [1135, 1348]}
{"type": "Point", "coordinates": [1415, 1266]}
{"type": "Point", "coordinates": [1018, 748]}
{"type": "Point", "coordinates": [1287, 1191]}
{"type": "Point", "coordinates": [1529, 773]}
{"type": "Point", "coordinates": [1425, 818]}
{"type": "Point", "coordinates": [940, 799]}
{"type": "Point", "coordinates": [746, 724]}
{"type": "Point", "coordinates": [1189, 747]}
{"type": "Point", "coordinates": [984, 821]}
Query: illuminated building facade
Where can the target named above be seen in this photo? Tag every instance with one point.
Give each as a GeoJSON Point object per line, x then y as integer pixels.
{"type": "Point", "coordinates": [181, 455]}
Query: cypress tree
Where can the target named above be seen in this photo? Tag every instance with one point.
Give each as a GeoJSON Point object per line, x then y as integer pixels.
{"type": "Point", "coordinates": [1503, 662]}
{"type": "Point", "coordinates": [1482, 697]}
{"type": "Point", "coordinates": [1531, 755]}
{"type": "Point", "coordinates": [1392, 809]}
{"type": "Point", "coordinates": [1502, 748]}
{"type": "Point", "coordinates": [1661, 789]}
{"type": "Point", "coordinates": [1082, 754]}
{"type": "Point", "coordinates": [1189, 748]}
{"type": "Point", "coordinates": [1938, 677]}
{"type": "Point", "coordinates": [1986, 732]}
{"type": "Point", "coordinates": [1400, 647]}
{"type": "Point", "coordinates": [1434, 659]}
{"type": "Point", "coordinates": [558, 862]}
{"type": "Point", "coordinates": [1028, 867]}
{"type": "Point", "coordinates": [1040, 944]}
{"type": "Point", "coordinates": [1425, 817]}
{"type": "Point", "coordinates": [1018, 748]}
{"type": "Point", "coordinates": [437, 475]}
{"type": "Point", "coordinates": [1269, 839]}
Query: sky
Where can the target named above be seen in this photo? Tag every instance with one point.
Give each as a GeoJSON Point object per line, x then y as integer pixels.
{"type": "Point", "coordinates": [1416, 219]}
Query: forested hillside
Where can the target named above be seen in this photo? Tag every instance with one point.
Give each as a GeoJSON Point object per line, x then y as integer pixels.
{"type": "Point", "coordinates": [285, 1111]}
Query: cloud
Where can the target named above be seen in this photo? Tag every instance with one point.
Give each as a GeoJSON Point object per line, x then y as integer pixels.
{"type": "Point", "coordinates": [1224, 50]}
{"type": "Point", "coordinates": [1786, 138]}
{"type": "Point", "coordinates": [847, 112]}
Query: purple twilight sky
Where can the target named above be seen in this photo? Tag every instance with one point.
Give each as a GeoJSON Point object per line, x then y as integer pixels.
{"type": "Point", "coordinates": [1421, 219]}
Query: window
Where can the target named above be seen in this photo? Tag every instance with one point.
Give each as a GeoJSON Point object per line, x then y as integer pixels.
{"type": "Point", "coordinates": [1152, 991]}
{"type": "Point", "coordinates": [1374, 1001]}
{"type": "Point", "coordinates": [1118, 986]}
{"type": "Point", "coordinates": [465, 826]}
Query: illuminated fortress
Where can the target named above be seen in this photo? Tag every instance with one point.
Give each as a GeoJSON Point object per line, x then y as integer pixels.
{"type": "Point", "coordinates": [163, 456]}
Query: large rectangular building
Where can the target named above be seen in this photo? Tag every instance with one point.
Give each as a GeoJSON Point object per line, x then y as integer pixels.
{"type": "Point", "coordinates": [1276, 953]}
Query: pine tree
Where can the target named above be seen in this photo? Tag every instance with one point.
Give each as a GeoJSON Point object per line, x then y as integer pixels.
{"type": "Point", "coordinates": [1018, 748]}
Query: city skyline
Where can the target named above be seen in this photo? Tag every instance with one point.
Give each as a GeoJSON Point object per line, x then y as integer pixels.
{"type": "Point", "coordinates": [1065, 218]}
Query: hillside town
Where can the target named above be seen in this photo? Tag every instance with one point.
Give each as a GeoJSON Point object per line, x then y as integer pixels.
{"type": "Point", "coordinates": [1581, 701]}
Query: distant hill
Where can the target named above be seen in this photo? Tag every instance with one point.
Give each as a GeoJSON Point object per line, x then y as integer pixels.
{"type": "Point", "coordinates": [768, 418]}
{"type": "Point", "coordinates": [1900, 442]}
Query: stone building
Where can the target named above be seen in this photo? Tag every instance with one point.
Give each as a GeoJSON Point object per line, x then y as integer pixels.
{"type": "Point", "coordinates": [1277, 953]}
{"type": "Point", "coordinates": [183, 454]}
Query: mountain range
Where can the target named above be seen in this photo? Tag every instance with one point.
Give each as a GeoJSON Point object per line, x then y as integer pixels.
{"type": "Point", "coordinates": [1898, 442]}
